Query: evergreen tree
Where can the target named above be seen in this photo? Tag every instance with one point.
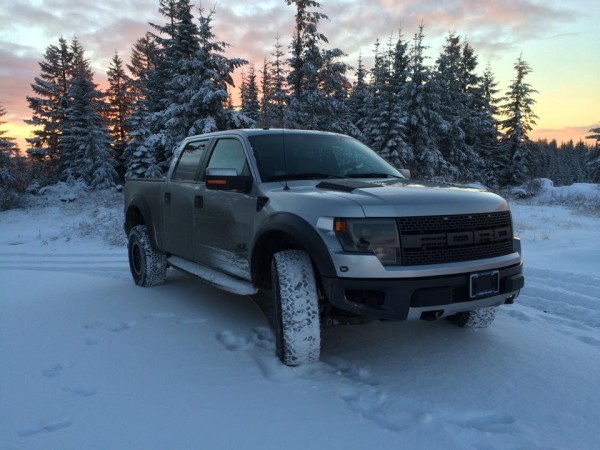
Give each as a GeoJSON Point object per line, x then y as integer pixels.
{"type": "Point", "coordinates": [386, 126]}
{"type": "Point", "coordinates": [278, 97]}
{"type": "Point", "coordinates": [459, 109]}
{"type": "Point", "coordinates": [196, 86]}
{"type": "Point", "coordinates": [488, 135]}
{"type": "Point", "coordinates": [139, 158]}
{"type": "Point", "coordinates": [119, 100]}
{"type": "Point", "coordinates": [49, 105]}
{"type": "Point", "coordinates": [594, 159]}
{"type": "Point", "coordinates": [266, 88]}
{"type": "Point", "coordinates": [85, 140]}
{"type": "Point", "coordinates": [424, 120]}
{"type": "Point", "coordinates": [519, 118]}
{"type": "Point", "coordinates": [360, 102]}
{"type": "Point", "coordinates": [316, 77]}
{"type": "Point", "coordinates": [250, 104]}
{"type": "Point", "coordinates": [8, 152]}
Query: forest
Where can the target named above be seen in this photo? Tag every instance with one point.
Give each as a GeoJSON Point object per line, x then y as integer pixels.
{"type": "Point", "coordinates": [442, 119]}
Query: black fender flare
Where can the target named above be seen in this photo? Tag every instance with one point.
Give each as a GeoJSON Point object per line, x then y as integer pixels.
{"type": "Point", "coordinates": [302, 232]}
{"type": "Point", "coordinates": [140, 204]}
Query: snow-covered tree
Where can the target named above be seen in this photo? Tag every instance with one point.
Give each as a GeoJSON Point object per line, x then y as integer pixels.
{"type": "Point", "coordinates": [87, 153]}
{"type": "Point", "coordinates": [517, 108]}
{"type": "Point", "coordinates": [386, 131]}
{"type": "Point", "coordinates": [317, 77]}
{"type": "Point", "coordinates": [594, 159]}
{"type": "Point", "coordinates": [278, 97]}
{"type": "Point", "coordinates": [360, 101]}
{"type": "Point", "coordinates": [424, 121]}
{"type": "Point", "coordinates": [196, 86]}
{"type": "Point", "coordinates": [8, 151]}
{"type": "Point", "coordinates": [48, 105]}
{"type": "Point", "coordinates": [119, 100]}
{"type": "Point", "coordinates": [249, 95]}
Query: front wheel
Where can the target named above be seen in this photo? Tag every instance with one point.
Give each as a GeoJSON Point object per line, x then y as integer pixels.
{"type": "Point", "coordinates": [148, 266]}
{"type": "Point", "coordinates": [479, 318]}
{"type": "Point", "coordinates": [296, 308]}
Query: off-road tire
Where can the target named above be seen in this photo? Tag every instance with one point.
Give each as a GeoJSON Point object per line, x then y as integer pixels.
{"type": "Point", "coordinates": [479, 318]}
{"type": "Point", "coordinates": [296, 308]}
{"type": "Point", "coordinates": [148, 266]}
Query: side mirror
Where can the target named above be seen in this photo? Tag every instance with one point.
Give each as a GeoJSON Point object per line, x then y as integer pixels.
{"type": "Point", "coordinates": [226, 179]}
{"type": "Point", "coordinates": [405, 173]}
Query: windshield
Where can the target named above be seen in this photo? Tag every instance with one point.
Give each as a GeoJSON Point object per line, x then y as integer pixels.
{"type": "Point", "coordinates": [289, 156]}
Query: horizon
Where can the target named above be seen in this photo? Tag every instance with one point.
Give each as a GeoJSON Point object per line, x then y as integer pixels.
{"type": "Point", "coordinates": [557, 41]}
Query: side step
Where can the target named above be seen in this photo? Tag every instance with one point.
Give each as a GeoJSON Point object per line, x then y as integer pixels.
{"type": "Point", "coordinates": [214, 277]}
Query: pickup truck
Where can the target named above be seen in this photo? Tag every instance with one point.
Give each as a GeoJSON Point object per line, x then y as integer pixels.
{"type": "Point", "coordinates": [327, 228]}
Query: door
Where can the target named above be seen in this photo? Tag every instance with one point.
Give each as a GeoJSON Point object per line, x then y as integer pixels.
{"type": "Point", "coordinates": [223, 230]}
{"type": "Point", "coordinates": [181, 196]}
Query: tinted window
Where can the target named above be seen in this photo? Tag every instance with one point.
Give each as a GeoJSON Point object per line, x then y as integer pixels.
{"type": "Point", "coordinates": [188, 161]}
{"type": "Point", "coordinates": [289, 155]}
{"type": "Point", "coordinates": [229, 154]}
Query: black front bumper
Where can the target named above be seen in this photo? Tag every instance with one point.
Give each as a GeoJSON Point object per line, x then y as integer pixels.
{"type": "Point", "coordinates": [393, 298]}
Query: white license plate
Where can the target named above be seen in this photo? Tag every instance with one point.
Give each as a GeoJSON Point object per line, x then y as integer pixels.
{"type": "Point", "coordinates": [483, 284]}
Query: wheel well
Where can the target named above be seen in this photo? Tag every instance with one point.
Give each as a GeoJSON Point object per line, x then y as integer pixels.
{"type": "Point", "coordinates": [134, 217]}
{"type": "Point", "coordinates": [267, 245]}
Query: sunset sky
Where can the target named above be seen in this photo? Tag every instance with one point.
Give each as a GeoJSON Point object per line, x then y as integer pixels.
{"type": "Point", "coordinates": [560, 39]}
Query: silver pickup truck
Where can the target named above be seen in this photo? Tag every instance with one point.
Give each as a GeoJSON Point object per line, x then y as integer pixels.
{"type": "Point", "coordinates": [328, 228]}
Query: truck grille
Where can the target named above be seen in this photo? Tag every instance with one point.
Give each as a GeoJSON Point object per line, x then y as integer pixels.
{"type": "Point", "coordinates": [443, 239]}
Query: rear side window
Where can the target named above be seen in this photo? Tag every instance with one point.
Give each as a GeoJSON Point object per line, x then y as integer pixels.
{"type": "Point", "coordinates": [189, 161]}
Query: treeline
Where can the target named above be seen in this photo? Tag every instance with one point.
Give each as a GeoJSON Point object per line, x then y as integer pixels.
{"type": "Point", "coordinates": [440, 119]}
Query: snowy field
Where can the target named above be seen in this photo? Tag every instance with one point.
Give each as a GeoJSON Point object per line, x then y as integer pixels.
{"type": "Point", "coordinates": [89, 361]}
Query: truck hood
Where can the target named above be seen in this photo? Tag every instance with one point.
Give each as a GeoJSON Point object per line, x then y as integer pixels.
{"type": "Point", "coordinates": [397, 198]}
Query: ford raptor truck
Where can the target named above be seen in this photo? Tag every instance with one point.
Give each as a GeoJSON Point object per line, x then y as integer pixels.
{"type": "Point", "coordinates": [327, 228]}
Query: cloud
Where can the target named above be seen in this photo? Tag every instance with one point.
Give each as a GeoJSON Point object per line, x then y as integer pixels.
{"type": "Point", "coordinates": [565, 134]}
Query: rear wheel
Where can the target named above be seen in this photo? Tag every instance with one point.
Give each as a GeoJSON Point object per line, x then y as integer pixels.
{"type": "Point", "coordinates": [148, 266]}
{"type": "Point", "coordinates": [296, 308]}
{"type": "Point", "coordinates": [480, 318]}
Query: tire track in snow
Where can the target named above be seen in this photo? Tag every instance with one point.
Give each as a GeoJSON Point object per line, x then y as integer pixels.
{"type": "Point", "coordinates": [66, 262]}
{"type": "Point", "coordinates": [361, 393]}
{"type": "Point", "coordinates": [569, 299]}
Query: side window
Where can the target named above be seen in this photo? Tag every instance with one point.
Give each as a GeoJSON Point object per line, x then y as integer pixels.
{"type": "Point", "coordinates": [188, 161]}
{"type": "Point", "coordinates": [229, 154]}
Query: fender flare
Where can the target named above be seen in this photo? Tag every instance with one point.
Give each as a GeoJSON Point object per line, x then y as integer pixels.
{"type": "Point", "coordinates": [302, 232]}
{"type": "Point", "coordinates": [140, 203]}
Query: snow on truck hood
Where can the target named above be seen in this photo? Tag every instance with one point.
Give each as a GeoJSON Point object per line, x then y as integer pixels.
{"type": "Point", "coordinates": [385, 198]}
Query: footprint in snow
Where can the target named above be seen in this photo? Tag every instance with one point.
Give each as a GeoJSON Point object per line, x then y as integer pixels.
{"type": "Point", "coordinates": [46, 427]}
{"type": "Point", "coordinates": [80, 390]}
{"type": "Point", "coordinates": [54, 371]}
{"type": "Point", "coordinates": [122, 326]}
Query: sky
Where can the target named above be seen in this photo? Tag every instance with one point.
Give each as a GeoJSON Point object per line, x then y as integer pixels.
{"type": "Point", "coordinates": [558, 38]}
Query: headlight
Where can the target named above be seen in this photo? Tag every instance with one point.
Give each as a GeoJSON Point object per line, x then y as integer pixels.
{"type": "Point", "coordinates": [377, 236]}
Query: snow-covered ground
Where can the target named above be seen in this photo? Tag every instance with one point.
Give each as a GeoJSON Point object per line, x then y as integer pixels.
{"type": "Point", "coordinates": [88, 360]}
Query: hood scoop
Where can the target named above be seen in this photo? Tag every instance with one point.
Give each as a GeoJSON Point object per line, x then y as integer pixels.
{"type": "Point", "coordinates": [345, 185]}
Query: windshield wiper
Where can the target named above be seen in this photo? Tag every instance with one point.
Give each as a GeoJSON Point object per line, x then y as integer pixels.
{"type": "Point", "coordinates": [371, 175]}
{"type": "Point", "coordinates": [303, 176]}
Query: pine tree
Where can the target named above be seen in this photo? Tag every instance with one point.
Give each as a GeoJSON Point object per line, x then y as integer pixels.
{"type": "Point", "coordinates": [8, 152]}
{"type": "Point", "coordinates": [87, 153]}
{"type": "Point", "coordinates": [49, 105]}
{"type": "Point", "coordinates": [594, 158]}
{"type": "Point", "coordinates": [519, 118]}
{"type": "Point", "coordinates": [139, 158]}
{"type": "Point", "coordinates": [317, 78]}
{"type": "Point", "coordinates": [119, 100]}
{"type": "Point", "coordinates": [278, 98]}
{"type": "Point", "coordinates": [266, 88]}
{"type": "Point", "coordinates": [250, 104]}
{"type": "Point", "coordinates": [424, 121]}
{"type": "Point", "coordinates": [459, 107]}
{"type": "Point", "coordinates": [198, 75]}
{"type": "Point", "coordinates": [386, 127]}
{"type": "Point", "coordinates": [360, 102]}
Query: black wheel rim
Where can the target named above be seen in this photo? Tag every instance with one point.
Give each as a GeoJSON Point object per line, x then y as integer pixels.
{"type": "Point", "coordinates": [136, 259]}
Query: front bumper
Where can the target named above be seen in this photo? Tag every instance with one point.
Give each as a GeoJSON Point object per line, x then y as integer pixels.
{"type": "Point", "coordinates": [419, 297]}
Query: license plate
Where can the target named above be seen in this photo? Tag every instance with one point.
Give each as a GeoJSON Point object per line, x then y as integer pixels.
{"type": "Point", "coordinates": [484, 283]}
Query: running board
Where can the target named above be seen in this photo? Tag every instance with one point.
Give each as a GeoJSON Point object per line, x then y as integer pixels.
{"type": "Point", "coordinates": [218, 279]}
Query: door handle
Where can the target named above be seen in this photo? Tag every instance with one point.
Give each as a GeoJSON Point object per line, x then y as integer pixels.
{"type": "Point", "coordinates": [167, 197]}
{"type": "Point", "coordinates": [198, 201]}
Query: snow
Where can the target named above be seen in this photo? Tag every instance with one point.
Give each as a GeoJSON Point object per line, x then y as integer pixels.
{"type": "Point", "coordinates": [89, 360]}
